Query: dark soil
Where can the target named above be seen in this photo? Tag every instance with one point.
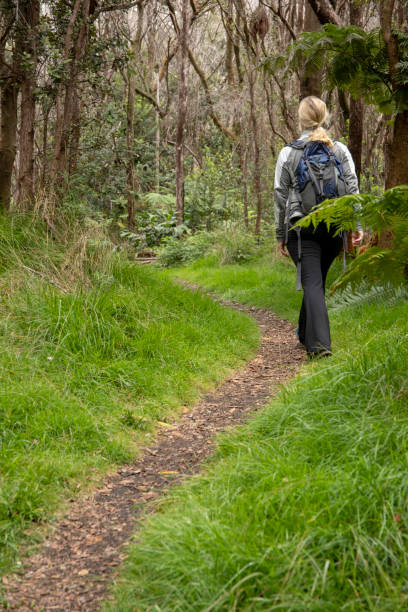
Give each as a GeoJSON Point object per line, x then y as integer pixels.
{"type": "Point", "coordinates": [75, 567]}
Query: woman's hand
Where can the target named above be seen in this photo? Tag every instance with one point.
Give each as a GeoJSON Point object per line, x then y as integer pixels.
{"type": "Point", "coordinates": [357, 238]}
{"type": "Point", "coordinates": [282, 248]}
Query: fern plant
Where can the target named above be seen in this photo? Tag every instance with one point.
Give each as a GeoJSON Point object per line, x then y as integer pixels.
{"type": "Point", "coordinates": [382, 213]}
{"type": "Point", "coordinates": [367, 294]}
{"type": "Point", "coordinates": [352, 59]}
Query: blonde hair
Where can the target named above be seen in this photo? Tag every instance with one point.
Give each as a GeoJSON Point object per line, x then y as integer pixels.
{"type": "Point", "coordinates": [312, 114]}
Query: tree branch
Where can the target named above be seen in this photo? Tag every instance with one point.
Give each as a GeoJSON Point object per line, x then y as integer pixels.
{"type": "Point", "coordinates": [282, 17]}
{"type": "Point", "coordinates": [150, 99]}
{"type": "Point", "coordinates": [165, 64]}
{"type": "Point", "coordinates": [210, 102]}
{"type": "Point", "coordinates": [202, 77]}
{"type": "Point", "coordinates": [173, 144]}
{"type": "Point", "coordinates": [7, 29]}
{"type": "Point", "coordinates": [173, 17]}
{"type": "Point", "coordinates": [115, 7]}
{"type": "Point", "coordinates": [325, 12]}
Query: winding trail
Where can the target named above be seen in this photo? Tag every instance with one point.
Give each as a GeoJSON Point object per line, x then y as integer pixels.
{"type": "Point", "coordinates": [75, 566]}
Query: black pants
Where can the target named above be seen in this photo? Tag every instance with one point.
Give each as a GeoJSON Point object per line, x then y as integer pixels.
{"type": "Point", "coordinates": [319, 249]}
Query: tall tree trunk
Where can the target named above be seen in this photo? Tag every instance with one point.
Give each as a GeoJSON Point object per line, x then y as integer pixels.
{"type": "Point", "coordinates": [10, 78]}
{"type": "Point", "coordinates": [355, 143]}
{"type": "Point", "coordinates": [75, 134]}
{"type": "Point", "coordinates": [130, 137]}
{"type": "Point", "coordinates": [74, 51]}
{"type": "Point", "coordinates": [243, 162]}
{"type": "Point", "coordinates": [397, 162]}
{"type": "Point", "coordinates": [30, 12]}
{"type": "Point", "coordinates": [59, 120]}
{"type": "Point", "coordinates": [8, 133]}
{"type": "Point", "coordinates": [131, 181]}
{"type": "Point", "coordinates": [158, 135]}
{"type": "Point", "coordinates": [130, 168]}
{"type": "Point", "coordinates": [229, 44]}
{"type": "Point", "coordinates": [44, 168]}
{"type": "Point", "coordinates": [181, 116]}
{"type": "Point", "coordinates": [237, 48]}
{"type": "Point", "coordinates": [398, 159]}
{"type": "Point", "coordinates": [356, 106]}
{"type": "Point", "coordinates": [310, 83]}
{"type": "Point", "coordinates": [252, 74]}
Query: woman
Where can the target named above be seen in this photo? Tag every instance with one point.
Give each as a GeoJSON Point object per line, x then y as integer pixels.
{"type": "Point", "coordinates": [319, 246]}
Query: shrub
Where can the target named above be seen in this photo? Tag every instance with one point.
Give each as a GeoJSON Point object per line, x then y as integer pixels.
{"type": "Point", "coordinates": [229, 244]}
{"type": "Point", "coordinates": [232, 244]}
{"type": "Point", "coordinates": [177, 252]}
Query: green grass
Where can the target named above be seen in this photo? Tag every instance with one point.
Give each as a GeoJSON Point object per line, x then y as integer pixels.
{"type": "Point", "coordinates": [267, 283]}
{"type": "Point", "coordinates": [304, 508]}
{"type": "Point", "coordinates": [87, 368]}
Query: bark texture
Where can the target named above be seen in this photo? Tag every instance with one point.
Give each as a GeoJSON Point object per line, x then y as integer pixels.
{"type": "Point", "coordinates": [356, 133]}
{"type": "Point", "coordinates": [131, 180]}
{"type": "Point", "coordinates": [257, 150]}
{"type": "Point", "coordinates": [390, 39]}
{"type": "Point", "coordinates": [325, 12]}
{"type": "Point", "coordinates": [75, 48]}
{"type": "Point", "coordinates": [398, 159]}
{"type": "Point", "coordinates": [397, 162]}
{"type": "Point", "coordinates": [30, 12]}
{"type": "Point", "coordinates": [182, 112]}
{"type": "Point", "coordinates": [8, 133]}
{"type": "Point", "coordinates": [356, 106]}
{"type": "Point", "coordinates": [310, 82]}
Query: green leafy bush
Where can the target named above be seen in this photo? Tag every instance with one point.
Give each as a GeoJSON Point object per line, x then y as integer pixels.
{"type": "Point", "coordinates": [182, 251]}
{"type": "Point", "coordinates": [213, 191]}
{"type": "Point", "coordinates": [232, 244]}
{"type": "Point", "coordinates": [228, 244]}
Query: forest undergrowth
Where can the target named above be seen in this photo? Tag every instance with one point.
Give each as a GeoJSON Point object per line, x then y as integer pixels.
{"type": "Point", "coordinates": [94, 351]}
{"type": "Point", "coordinates": [304, 508]}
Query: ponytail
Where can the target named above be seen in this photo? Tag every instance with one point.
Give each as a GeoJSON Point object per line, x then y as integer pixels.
{"type": "Point", "coordinates": [321, 135]}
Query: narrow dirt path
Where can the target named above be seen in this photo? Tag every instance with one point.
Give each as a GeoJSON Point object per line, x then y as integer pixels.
{"type": "Point", "coordinates": [75, 566]}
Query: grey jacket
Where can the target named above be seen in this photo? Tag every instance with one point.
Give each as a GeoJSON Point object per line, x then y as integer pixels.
{"type": "Point", "coordinates": [283, 182]}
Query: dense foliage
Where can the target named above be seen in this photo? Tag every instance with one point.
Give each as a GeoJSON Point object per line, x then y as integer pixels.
{"type": "Point", "coordinates": [354, 60]}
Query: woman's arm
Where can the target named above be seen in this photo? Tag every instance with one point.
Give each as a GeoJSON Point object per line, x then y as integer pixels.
{"type": "Point", "coordinates": [281, 193]}
{"type": "Point", "coordinates": [349, 169]}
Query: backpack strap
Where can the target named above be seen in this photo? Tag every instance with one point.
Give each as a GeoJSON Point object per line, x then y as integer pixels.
{"type": "Point", "coordinates": [336, 156]}
{"type": "Point", "coordinates": [294, 158]}
{"type": "Point", "coordinates": [297, 144]}
{"type": "Point", "coordinates": [335, 177]}
{"type": "Point", "coordinates": [299, 261]}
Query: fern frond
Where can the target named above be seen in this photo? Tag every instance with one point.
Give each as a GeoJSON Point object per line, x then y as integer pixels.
{"type": "Point", "coordinates": [367, 294]}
